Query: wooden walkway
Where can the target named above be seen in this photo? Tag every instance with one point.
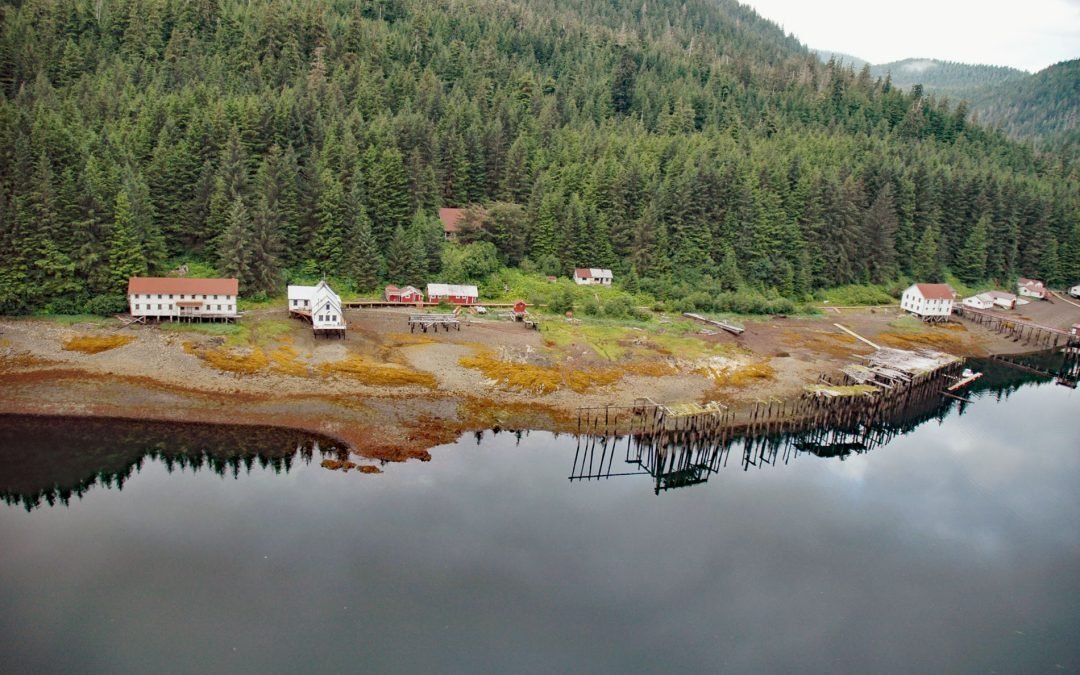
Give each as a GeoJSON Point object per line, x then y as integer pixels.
{"type": "Point", "coordinates": [1019, 330]}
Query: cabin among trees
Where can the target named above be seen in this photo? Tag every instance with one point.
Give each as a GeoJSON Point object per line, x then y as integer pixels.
{"type": "Point", "coordinates": [408, 294]}
{"type": "Point", "coordinates": [588, 276]}
{"type": "Point", "coordinates": [182, 299]}
{"type": "Point", "coordinates": [455, 294]}
{"type": "Point", "coordinates": [451, 222]}
{"type": "Point", "coordinates": [320, 306]}
{"type": "Point", "coordinates": [1031, 288]}
{"type": "Point", "coordinates": [929, 302]}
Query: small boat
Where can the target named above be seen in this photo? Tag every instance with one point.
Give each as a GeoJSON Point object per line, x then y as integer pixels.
{"type": "Point", "coordinates": [966, 378]}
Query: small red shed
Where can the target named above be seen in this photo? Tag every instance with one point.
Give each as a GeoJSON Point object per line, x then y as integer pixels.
{"type": "Point", "coordinates": [408, 294]}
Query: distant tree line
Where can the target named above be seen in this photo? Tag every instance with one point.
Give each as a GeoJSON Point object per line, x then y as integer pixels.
{"type": "Point", "coordinates": [686, 145]}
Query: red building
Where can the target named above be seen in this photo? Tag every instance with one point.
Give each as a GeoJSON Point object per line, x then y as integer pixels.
{"type": "Point", "coordinates": [453, 293]}
{"type": "Point", "coordinates": [408, 294]}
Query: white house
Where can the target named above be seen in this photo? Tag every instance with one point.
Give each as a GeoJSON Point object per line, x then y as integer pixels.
{"type": "Point", "coordinates": [1032, 289]}
{"type": "Point", "coordinates": [455, 294]}
{"type": "Point", "coordinates": [978, 302]}
{"type": "Point", "coordinates": [592, 275]}
{"type": "Point", "coordinates": [182, 298]}
{"type": "Point", "coordinates": [1001, 299]}
{"type": "Point", "coordinates": [929, 302]}
{"type": "Point", "coordinates": [1075, 291]}
{"type": "Point", "coordinates": [991, 299]}
{"type": "Point", "coordinates": [321, 305]}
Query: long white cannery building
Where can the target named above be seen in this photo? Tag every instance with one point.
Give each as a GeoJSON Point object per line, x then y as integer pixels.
{"type": "Point", "coordinates": [183, 299]}
{"type": "Point", "coordinates": [320, 305]}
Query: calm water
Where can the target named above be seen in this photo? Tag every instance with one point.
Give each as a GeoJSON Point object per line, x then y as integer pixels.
{"type": "Point", "coordinates": [955, 547]}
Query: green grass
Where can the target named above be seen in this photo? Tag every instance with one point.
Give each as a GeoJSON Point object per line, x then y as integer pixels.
{"type": "Point", "coordinates": [857, 294]}
{"type": "Point", "coordinates": [613, 339]}
{"type": "Point", "coordinates": [907, 324]}
{"type": "Point", "coordinates": [229, 330]}
{"type": "Point", "coordinates": [72, 319]}
{"type": "Point", "coordinates": [246, 304]}
{"type": "Point", "coordinates": [244, 334]}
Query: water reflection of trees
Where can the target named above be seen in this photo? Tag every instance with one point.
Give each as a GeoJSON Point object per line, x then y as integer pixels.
{"type": "Point", "coordinates": [674, 466]}
{"type": "Point", "coordinates": [48, 460]}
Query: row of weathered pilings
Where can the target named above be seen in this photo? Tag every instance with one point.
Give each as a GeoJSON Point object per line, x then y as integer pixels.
{"type": "Point", "coordinates": [763, 418]}
{"type": "Point", "coordinates": [683, 445]}
{"type": "Point", "coordinates": [1019, 331]}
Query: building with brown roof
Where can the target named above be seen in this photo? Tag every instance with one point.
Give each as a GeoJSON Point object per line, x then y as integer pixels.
{"type": "Point", "coordinates": [929, 302]}
{"type": "Point", "coordinates": [451, 222]}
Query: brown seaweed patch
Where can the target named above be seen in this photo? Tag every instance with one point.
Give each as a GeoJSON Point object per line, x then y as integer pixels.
{"type": "Point", "coordinates": [536, 379]}
{"type": "Point", "coordinates": [245, 361]}
{"type": "Point", "coordinates": [376, 374]}
{"type": "Point", "coordinates": [95, 344]}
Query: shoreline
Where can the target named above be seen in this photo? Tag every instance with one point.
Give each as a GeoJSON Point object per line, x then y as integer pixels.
{"type": "Point", "coordinates": [160, 375]}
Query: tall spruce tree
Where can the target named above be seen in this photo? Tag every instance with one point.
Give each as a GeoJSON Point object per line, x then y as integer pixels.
{"type": "Point", "coordinates": [126, 258]}
{"type": "Point", "coordinates": [970, 265]}
{"type": "Point", "coordinates": [235, 246]}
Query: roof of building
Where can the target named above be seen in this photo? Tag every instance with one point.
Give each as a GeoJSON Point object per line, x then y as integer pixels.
{"type": "Point", "coordinates": [183, 286]}
{"type": "Point", "coordinates": [936, 291]}
{"type": "Point", "coordinates": [310, 292]}
{"type": "Point", "coordinates": [404, 290]}
{"type": "Point", "coordinates": [998, 295]}
{"type": "Point", "coordinates": [451, 219]}
{"type": "Point", "coordinates": [1030, 283]}
{"type": "Point", "coordinates": [592, 273]}
{"type": "Point", "coordinates": [452, 289]}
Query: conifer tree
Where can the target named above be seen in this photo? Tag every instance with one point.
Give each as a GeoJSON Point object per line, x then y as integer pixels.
{"type": "Point", "coordinates": [927, 266]}
{"type": "Point", "coordinates": [971, 260]}
{"type": "Point", "coordinates": [329, 244]}
{"type": "Point", "coordinates": [125, 253]}
{"type": "Point", "coordinates": [266, 247]}
{"type": "Point", "coordinates": [881, 226]}
{"type": "Point", "coordinates": [235, 246]}
{"type": "Point", "coordinates": [364, 260]}
{"type": "Point", "coordinates": [404, 259]}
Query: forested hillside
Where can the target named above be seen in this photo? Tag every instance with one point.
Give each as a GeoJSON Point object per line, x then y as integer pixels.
{"type": "Point", "coordinates": [1043, 106]}
{"type": "Point", "coordinates": [946, 76]}
{"type": "Point", "coordinates": [691, 146]}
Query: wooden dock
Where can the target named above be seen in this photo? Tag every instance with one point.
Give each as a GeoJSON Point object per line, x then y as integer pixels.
{"type": "Point", "coordinates": [433, 321]}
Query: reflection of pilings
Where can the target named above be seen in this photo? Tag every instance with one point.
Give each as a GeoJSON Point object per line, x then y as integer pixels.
{"type": "Point", "coordinates": [1066, 373]}
{"type": "Point", "coordinates": [683, 447]}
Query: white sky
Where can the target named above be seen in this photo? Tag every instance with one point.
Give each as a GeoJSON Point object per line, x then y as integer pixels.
{"type": "Point", "coordinates": [1027, 34]}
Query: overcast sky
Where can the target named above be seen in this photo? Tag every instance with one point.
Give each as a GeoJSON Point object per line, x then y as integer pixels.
{"type": "Point", "coordinates": [1026, 34]}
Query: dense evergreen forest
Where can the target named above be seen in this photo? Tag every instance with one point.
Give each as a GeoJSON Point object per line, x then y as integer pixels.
{"type": "Point", "coordinates": [1044, 106]}
{"type": "Point", "coordinates": [691, 146]}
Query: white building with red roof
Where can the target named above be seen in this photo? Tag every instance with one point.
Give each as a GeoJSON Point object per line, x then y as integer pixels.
{"type": "Point", "coordinates": [183, 298]}
{"type": "Point", "coordinates": [587, 276]}
{"type": "Point", "coordinates": [1032, 288]}
{"type": "Point", "coordinates": [929, 302]}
